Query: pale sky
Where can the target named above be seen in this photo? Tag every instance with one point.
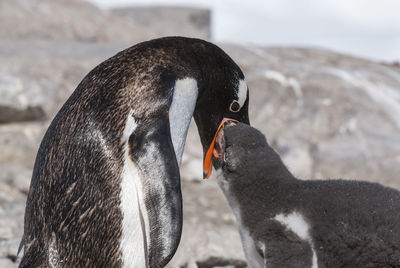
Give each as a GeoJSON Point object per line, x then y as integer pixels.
{"type": "Point", "coordinates": [367, 28]}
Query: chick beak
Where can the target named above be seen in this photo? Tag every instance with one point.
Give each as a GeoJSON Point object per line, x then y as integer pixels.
{"type": "Point", "coordinates": [212, 150]}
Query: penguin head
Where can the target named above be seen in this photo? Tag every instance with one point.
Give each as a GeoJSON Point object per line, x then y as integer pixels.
{"type": "Point", "coordinates": [241, 148]}
{"type": "Point", "coordinates": [224, 94]}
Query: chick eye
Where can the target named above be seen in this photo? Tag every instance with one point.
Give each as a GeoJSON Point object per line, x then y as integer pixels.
{"type": "Point", "coordinates": [235, 106]}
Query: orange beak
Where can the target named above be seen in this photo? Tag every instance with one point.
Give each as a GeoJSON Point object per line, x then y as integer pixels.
{"type": "Point", "coordinates": [207, 164]}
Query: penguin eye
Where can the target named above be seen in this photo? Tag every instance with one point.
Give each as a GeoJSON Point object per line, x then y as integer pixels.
{"type": "Point", "coordinates": [235, 106]}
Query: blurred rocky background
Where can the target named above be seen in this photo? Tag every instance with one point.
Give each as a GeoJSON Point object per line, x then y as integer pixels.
{"type": "Point", "coordinates": [329, 115]}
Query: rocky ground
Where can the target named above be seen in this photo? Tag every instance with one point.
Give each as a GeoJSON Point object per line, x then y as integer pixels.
{"type": "Point", "coordinates": [328, 115]}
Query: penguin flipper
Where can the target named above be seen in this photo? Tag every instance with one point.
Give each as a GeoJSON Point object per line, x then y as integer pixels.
{"type": "Point", "coordinates": [152, 150]}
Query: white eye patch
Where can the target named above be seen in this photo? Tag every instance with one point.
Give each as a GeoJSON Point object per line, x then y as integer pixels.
{"type": "Point", "coordinates": [241, 94]}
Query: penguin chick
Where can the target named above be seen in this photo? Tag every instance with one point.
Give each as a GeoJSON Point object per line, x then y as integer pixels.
{"type": "Point", "coordinates": [287, 222]}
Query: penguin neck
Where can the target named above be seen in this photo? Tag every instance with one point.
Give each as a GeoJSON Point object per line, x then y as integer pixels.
{"type": "Point", "coordinates": [264, 182]}
{"type": "Point", "coordinates": [181, 110]}
{"type": "Point", "coordinates": [268, 180]}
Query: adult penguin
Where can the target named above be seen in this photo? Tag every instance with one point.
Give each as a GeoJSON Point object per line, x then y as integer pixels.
{"type": "Point", "coordinates": [105, 189]}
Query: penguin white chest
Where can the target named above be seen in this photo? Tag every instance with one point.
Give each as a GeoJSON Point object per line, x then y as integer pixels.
{"type": "Point", "coordinates": [133, 242]}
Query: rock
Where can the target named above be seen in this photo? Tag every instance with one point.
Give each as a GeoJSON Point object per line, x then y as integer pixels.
{"type": "Point", "coordinates": [44, 73]}
{"type": "Point", "coordinates": [192, 168]}
{"type": "Point", "coordinates": [8, 252]}
{"type": "Point", "coordinates": [11, 226]}
{"type": "Point", "coordinates": [7, 263]}
{"type": "Point", "coordinates": [9, 249]}
{"type": "Point", "coordinates": [216, 262]}
{"type": "Point", "coordinates": [8, 194]}
{"type": "Point", "coordinates": [170, 21]}
{"type": "Point", "coordinates": [41, 19]}
{"type": "Point", "coordinates": [19, 144]}
{"type": "Point", "coordinates": [15, 176]}
{"type": "Point", "coordinates": [221, 262]}
{"type": "Point", "coordinates": [296, 156]}
{"type": "Point", "coordinates": [82, 21]}
{"type": "Point", "coordinates": [19, 101]}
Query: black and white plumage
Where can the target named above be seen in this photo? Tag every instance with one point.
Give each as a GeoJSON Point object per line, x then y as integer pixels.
{"type": "Point", "coordinates": [287, 222]}
{"type": "Point", "coordinates": [105, 189]}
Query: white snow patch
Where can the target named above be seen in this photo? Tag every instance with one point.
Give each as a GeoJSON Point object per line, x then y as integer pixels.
{"type": "Point", "coordinates": [291, 82]}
